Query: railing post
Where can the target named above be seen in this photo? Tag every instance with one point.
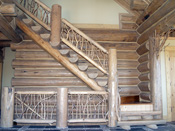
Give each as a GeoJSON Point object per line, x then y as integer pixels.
{"type": "Point", "coordinates": [55, 37]}
{"type": "Point", "coordinates": [62, 104]}
{"type": "Point", "coordinates": [112, 85]}
{"type": "Point", "coordinates": [7, 107]}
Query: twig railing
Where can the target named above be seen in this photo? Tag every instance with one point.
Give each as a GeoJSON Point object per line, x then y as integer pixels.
{"type": "Point", "coordinates": [36, 10]}
{"type": "Point", "coordinates": [70, 35]}
{"type": "Point", "coordinates": [86, 47]}
{"type": "Point", "coordinates": [40, 107]}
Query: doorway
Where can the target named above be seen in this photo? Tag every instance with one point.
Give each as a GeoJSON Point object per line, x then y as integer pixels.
{"type": "Point", "coordinates": [170, 80]}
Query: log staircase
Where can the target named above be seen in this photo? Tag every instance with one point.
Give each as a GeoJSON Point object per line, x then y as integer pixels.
{"type": "Point", "coordinates": [77, 52]}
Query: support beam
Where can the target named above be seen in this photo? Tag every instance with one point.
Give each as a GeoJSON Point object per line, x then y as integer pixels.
{"type": "Point", "coordinates": [113, 88]}
{"type": "Point", "coordinates": [138, 5]}
{"type": "Point", "coordinates": [55, 37]}
{"type": "Point", "coordinates": [58, 57]}
{"type": "Point", "coordinates": [155, 4]}
{"type": "Point", "coordinates": [62, 104]}
{"type": "Point", "coordinates": [159, 15]}
{"type": "Point", "coordinates": [155, 78]}
{"type": "Point", "coordinates": [8, 31]}
{"type": "Point", "coordinates": [7, 107]}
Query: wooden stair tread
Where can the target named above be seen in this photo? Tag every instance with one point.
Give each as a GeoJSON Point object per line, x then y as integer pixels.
{"type": "Point", "coordinates": [73, 59]}
{"type": "Point", "coordinates": [92, 75]}
{"type": "Point", "coordinates": [36, 28]}
{"type": "Point", "coordinates": [83, 66]}
{"type": "Point", "coordinates": [45, 36]}
{"type": "Point", "coordinates": [102, 82]}
{"type": "Point", "coordinates": [64, 51]}
{"type": "Point", "coordinates": [29, 22]}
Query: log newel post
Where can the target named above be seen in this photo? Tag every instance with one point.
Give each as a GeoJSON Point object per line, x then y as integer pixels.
{"type": "Point", "coordinates": [112, 86]}
{"type": "Point", "coordinates": [62, 107]}
{"type": "Point", "coordinates": [55, 37]}
{"type": "Point", "coordinates": [155, 79]}
{"type": "Point", "coordinates": [7, 107]}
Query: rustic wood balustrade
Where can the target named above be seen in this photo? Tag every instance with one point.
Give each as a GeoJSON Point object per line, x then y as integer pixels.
{"type": "Point", "coordinates": [40, 107]}
{"type": "Point", "coordinates": [70, 35]}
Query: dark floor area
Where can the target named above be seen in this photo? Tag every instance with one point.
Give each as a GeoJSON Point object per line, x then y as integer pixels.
{"type": "Point", "coordinates": [167, 127]}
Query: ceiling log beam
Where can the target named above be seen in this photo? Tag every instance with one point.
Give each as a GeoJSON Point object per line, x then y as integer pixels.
{"type": "Point", "coordinates": [150, 10]}
{"type": "Point", "coordinates": [8, 9]}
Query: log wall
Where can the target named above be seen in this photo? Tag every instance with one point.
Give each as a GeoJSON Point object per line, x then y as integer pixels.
{"type": "Point", "coordinates": [36, 69]}
{"type": "Point", "coordinates": [144, 69]}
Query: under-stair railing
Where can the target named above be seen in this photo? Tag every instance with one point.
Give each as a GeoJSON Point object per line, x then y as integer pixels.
{"type": "Point", "coordinates": [70, 35]}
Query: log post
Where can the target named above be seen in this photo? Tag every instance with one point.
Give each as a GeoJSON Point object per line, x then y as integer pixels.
{"type": "Point", "coordinates": [7, 107]}
{"type": "Point", "coordinates": [55, 25]}
{"type": "Point", "coordinates": [62, 104]}
{"type": "Point", "coordinates": [155, 78]}
{"type": "Point", "coordinates": [112, 85]}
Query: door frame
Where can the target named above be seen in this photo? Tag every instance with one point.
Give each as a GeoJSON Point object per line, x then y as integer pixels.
{"type": "Point", "coordinates": [168, 50]}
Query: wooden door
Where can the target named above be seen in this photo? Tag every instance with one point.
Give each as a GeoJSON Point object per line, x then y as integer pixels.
{"type": "Point", "coordinates": [170, 79]}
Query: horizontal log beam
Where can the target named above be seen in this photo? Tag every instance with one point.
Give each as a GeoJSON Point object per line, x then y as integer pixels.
{"type": "Point", "coordinates": [145, 96]}
{"type": "Point", "coordinates": [8, 31]}
{"type": "Point", "coordinates": [127, 17]}
{"type": "Point", "coordinates": [42, 55]}
{"type": "Point", "coordinates": [127, 64]}
{"type": "Point", "coordinates": [144, 86]}
{"type": "Point", "coordinates": [144, 77]}
{"type": "Point", "coordinates": [155, 4]}
{"type": "Point", "coordinates": [144, 48]}
{"type": "Point", "coordinates": [3, 37]}
{"type": "Point", "coordinates": [143, 58]}
{"type": "Point", "coordinates": [138, 5]}
{"type": "Point", "coordinates": [63, 82]}
{"type": "Point", "coordinates": [129, 91]}
{"type": "Point", "coordinates": [160, 13]}
{"type": "Point", "coordinates": [144, 67]}
{"type": "Point", "coordinates": [111, 35]}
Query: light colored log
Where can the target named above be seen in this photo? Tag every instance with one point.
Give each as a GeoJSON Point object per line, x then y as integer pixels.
{"type": "Point", "coordinates": [89, 92]}
{"type": "Point", "coordinates": [155, 78]}
{"type": "Point", "coordinates": [145, 96]}
{"type": "Point", "coordinates": [57, 56]}
{"type": "Point", "coordinates": [62, 108]}
{"type": "Point", "coordinates": [7, 107]}
{"type": "Point", "coordinates": [87, 120]}
{"type": "Point", "coordinates": [55, 25]}
{"type": "Point", "coordinates": [144, 122]}
{"type": "Point", "coordinates": [29, 121]}
{"type": "Point", "coordinates": [139, 113]}
{"type": "Point", "coordinates": [113, 88]}
{"type": "Point", "coordinates": [7, 9]}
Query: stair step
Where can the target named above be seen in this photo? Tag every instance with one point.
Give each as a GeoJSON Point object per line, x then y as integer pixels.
{"type": "Point", "coordinates": [83, 66]}
{"type": "Point", "coordinates": [37, 29]}
{"type": "Point", "coordinates": [92, 75]}
{"type": "Point", "coordinates": [73, 59]}
{"type": "Point", "coordinates": [45, 36]}
{"type": "Point", "coordinates": [102, 82]}
{"type": "Point", "coordinates": [64, 51]}
{"type": "Point", "coordinates": [63, 46]}
{"type": "Point", "coordinates": [29, 22]}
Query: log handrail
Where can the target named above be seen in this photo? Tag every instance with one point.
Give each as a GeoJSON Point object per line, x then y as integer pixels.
{"type": "Point", "coordinates": [86, 47]}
